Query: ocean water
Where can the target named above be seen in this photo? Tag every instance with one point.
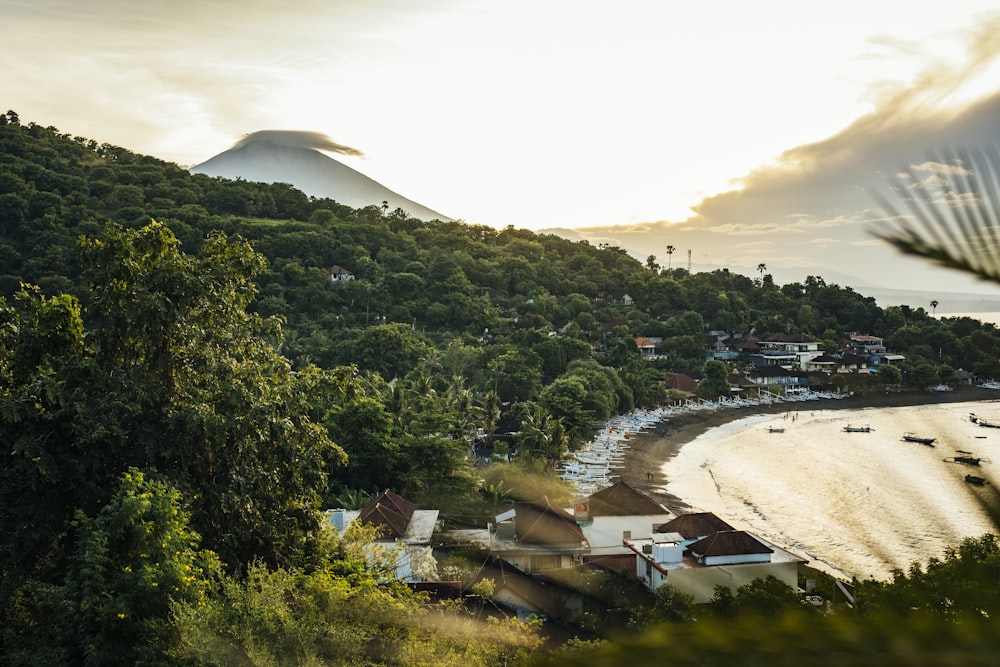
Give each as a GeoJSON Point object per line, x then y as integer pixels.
{"type": "Point", "coordinates": [987, 317]}
{"type": "Point", "coordinates": [853, 504]}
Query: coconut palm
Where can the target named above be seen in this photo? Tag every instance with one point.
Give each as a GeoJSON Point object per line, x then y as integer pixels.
{"type": "Point", "coordinates": [950, 218]}
{"type": "Point", "coordinates": [934, 305]}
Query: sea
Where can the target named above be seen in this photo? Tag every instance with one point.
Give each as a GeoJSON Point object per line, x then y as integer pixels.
{"type": "Point", "coordinates": [854, 504]}
{"type": "Point", "coordinates": [985, 317]}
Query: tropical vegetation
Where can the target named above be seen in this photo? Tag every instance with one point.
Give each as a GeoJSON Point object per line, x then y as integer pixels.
{"type": "Point", "coordinates": [183, 390]}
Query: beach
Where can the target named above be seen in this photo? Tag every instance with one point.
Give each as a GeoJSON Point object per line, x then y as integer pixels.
{"type": "Point", "coordinates": [814, 489]}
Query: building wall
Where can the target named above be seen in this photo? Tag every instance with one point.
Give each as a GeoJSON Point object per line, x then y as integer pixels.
{"type": "Point", "coordinates": [606, 531]}
{"type": "Point", "coordinates": [538, 562]}
{"type": "Point", "coordinates": [700, 582]}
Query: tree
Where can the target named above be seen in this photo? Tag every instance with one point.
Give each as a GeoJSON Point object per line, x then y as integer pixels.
{"type": "Point", "coordinates": [670, 255]}
{"type": "Point", "coordinates": [174, 375]}
{"type": "Point", "coordinates": [131, 563]}
{"type": "Point", "coordinates": [393, 350]}
{"type": "Point", "coordinates": [934, 305]}
{"type": "Point", "coordinates": [542, 437]}
{"type": "Point", "coordinates": [364, 429]}
{"type": "Point", "coordinates": [889, 375]}
{"type": "Point", "coordinates": [714, 380]}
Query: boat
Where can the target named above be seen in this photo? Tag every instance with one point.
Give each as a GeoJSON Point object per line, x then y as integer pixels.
{"type": "Point", "coordinates": [913, 437]}
{"type": "Point", "coordinates": [775, 429]}
{"type": "Point", "coordinates": [858, 429]}
{"type": "Point", "coordinates": [978, 481]}
{"type": "Point", "coordinates": [967, 460]}
{"type": "Point", "coordinates": [982, 422]}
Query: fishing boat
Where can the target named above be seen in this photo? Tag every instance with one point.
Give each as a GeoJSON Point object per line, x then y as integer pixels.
{"type": "Point", "coordinates": [913, 437]}
{"type": "Point", "coordinates": [975, 419]}
{"type": "Point", "coordinates": [850, 428]}
{"type": "Point", "coordinates": [978, 481]}
{"type": "Point", "coordinates": [775, 429]}
{"type": "Point", "coordinates": [967, 460]}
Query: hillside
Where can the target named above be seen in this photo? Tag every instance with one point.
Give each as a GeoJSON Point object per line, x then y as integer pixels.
{"type": "Point", "coordinates": [192, 368]}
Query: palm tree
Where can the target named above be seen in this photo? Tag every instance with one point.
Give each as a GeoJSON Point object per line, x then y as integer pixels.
{"type": "Point", "coordinates": [934, 305]}
{"type": "Point", "coordinates": [670, 254]}
{"type": "Point", "coordinates": [952, 218]}
{"type": "Point", "coordinates": [762, 268]}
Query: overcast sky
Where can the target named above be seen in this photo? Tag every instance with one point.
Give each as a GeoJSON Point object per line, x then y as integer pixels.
{"type": "Point", "coordinates": [758, 123]}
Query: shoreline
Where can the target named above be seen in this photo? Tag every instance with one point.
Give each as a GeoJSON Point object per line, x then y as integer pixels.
{"type": "Point", "coordinates": [649, 450]}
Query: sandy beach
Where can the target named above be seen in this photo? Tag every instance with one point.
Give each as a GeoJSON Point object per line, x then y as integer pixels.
{"type": "Point", "coordinates": [856, 505]}
{"type": "Point", "coordinates": [650, 449]}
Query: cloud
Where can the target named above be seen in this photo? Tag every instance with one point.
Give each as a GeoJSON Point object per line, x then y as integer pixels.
{"type": "Point", "coordinates": [933, 167]}
{"type": "Point", "coordinates": [297, 139]}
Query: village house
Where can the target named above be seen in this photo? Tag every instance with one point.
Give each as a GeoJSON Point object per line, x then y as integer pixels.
{"type": "Point", "coordinates": [696, 552]}
{"type": "Point", "coordinates": [776, 376]}
{"type": "Point", "coordinates": [403, 534]}
{"type": "Point", "coordinates": [682, 383]}
{"type": "Point", "coordinates": [873, 351]}
{"type": "Point", "coordinates": [724, 346]}
{"type": "Point", "coordinates": [647, 347]}
{"type": "Point", "coordinates": [844, 363]}
{"type": "Point", "coordinates": [787, 351]}
{"type": "Point", "coordinates": [339, 275]}
{"type": "Point", "coordinates": [537, 536]}
{"type": "Point", "coordinates": [540, 536]}
{"type": "Point", "coordinates": [606, 515]}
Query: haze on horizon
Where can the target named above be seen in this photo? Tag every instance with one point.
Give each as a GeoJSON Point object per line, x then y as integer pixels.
{"type": "Point", "coordinates": [743, 133]}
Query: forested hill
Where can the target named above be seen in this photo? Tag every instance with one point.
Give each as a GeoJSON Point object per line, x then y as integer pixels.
{"type": "Point", "coordinates": [183, 388]}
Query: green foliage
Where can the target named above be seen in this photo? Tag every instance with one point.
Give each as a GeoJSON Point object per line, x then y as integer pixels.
{"type": "Point", "coordinates": [121, 354]}
{"type": "Point", "coordinates": [289, 617]}
{"type": "Point", "coordinates": [130, 564]}
{"type": "Point", "coordinates": [714, 380]}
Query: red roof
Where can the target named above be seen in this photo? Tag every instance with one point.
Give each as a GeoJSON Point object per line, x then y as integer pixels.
{"type": "Point", "coordinates": [389, 512]}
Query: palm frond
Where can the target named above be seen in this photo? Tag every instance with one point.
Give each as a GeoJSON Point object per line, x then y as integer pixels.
{"type": "Point", "coordinates": [947, 210]}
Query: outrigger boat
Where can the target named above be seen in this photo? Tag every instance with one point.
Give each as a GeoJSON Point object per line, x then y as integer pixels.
{"type": "Point", "coordinates": [978, 481]}
{"type": "Point", "coordinates": [913, 437]}
{"type": "Point", "coordinates": [857, 429]}
{"type": "Point", "coordinates": [982, 422]}
{"type": "Point", "coordinates": [967, 460]}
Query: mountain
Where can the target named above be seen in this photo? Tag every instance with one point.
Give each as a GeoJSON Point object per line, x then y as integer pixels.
{"type": "Point", "coordinates": [281, 157]}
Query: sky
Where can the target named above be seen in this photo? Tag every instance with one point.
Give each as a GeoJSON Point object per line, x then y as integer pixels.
{"type": "Point", "coordinates": [743, 133]}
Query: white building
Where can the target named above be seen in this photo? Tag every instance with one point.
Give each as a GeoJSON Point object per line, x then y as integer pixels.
{"type": "Point", "coordinates": [694, 553]}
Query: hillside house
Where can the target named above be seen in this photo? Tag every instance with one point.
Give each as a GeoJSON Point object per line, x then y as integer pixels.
{"type": "Point", "coordinates": [647, 347]}
{"type": "Point", "coordinates": [606, 515]}
{"type": "Point", "coordinates": [695, 553]}
{"type": "Point", "coordinates": [537, 536]}
{"type": "Point", "coordinates": [785, 350]}
{"type": "Point", "coordinates": [682, 383]}
{"type": "Point", "coordinates": [404, 534]}
{"type": "Point", "coordinates": [844, 363]}
{"type": "Point", "coordinates": [776, 376]}
{"type": "Point", "coordinates": [339, 275]}
{"type": "Point", "coordinates": [865, 345]}
{"type": "Point", "coordinates": [724, 346]}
